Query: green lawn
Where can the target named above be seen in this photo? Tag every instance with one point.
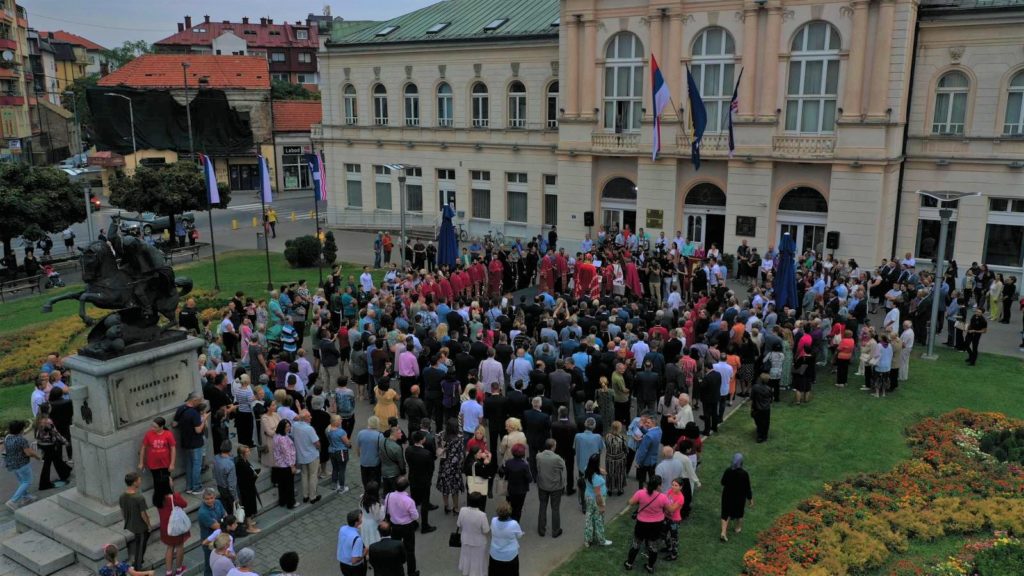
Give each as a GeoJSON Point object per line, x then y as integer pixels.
{"type": "Point", "coordinates": [841, 432]}
{"type": "Point", "coordinates": [241, 270]}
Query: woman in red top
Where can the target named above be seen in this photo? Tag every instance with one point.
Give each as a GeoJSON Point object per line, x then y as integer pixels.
{"type": "Point", "coordinates": [479, 440]}
{"type": "Point", "coordinates": [157, 455]}
{"type": "Point", "coordinates": [844, 353]}
{"type": "Point", "coordinates": [175, 544]}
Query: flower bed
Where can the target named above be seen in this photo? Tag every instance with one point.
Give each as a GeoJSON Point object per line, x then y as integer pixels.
{"type": "Point", "coordinates": [23, 352]}
{"type": "Point", "coordinates": [949, 486]}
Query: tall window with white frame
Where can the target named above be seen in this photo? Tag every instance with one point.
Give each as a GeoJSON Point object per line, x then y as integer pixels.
{"type": "Point", "coordinates": [552, 106]}
{"type": "Point", "coordinates": [517, 105]}
{"type": "Point", "coordinates": [950, 103]}
{"type": "Point", "coordinates": [412, 105]}
{"type": "Point", "coordinates": [1004, 233]}
{"type": "Point", "coordinates": [445, 108]}
{"type": "Point", "coordinates": [623, 83]}
{"type": "Point", "coordinates": [813, 79]}
{"type": "Point", "coordinates": [349, 101]}
{"type": "Point", "coordinates": [481, 106]}
{"type": "Point", "coordinates": [713, 67]}
{"type": "Point", "coordinates": [353, 186]}
{"type": "Point", "coordinates": [382, 185]}
{"type": "Point", "coordinates": [481, 194]}
{"type": "Point", "coordinates": [1014, 124]}
{"type": "Point", "coordinates": [517, 197]}
{"type": "Point", "coordinates": [380, 105]}
{"type": "Point", "coordinates": [414, 189]}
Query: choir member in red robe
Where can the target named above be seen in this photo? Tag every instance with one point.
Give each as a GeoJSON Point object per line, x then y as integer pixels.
{"type": "Point", "coordinates": [547, 273]}
{"type": "Point", "coordinates": [585, 273]}
{"type": "Point", "coordinates": [445, 289]}
{"type": "Point", "coordinates": [595, 287]}
{"type": "Point", "coordinates": [608, 274]}
{"type": "Point", "coordinates": [632, 279]}
{"type": "Point", "coordinates": [496, 272]}
{"type": "Point", "coordinates": [562, 269]}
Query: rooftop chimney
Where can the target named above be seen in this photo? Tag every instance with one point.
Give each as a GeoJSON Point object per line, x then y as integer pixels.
{"type": "Point", "coordinates": [245, 19]}
{"type": "Point", "coordinates": [270, 20]}
{"type": "Point", "coordinates": [188, 21]}
{"type": "Point", "coordinates": [181, 27]}
{"type": "Point", "coordinates": [263, 21]}
{"type": "Point", "coordinates": [206, 18]}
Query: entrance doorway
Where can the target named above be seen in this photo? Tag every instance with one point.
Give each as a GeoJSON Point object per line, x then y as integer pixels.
{"type": "Point", "coordinates": [446, 198]}
{"type": "Point", "coordinates": [704, 220]}
{"type": "Point", "coordinates": [244, 176]}
{"type": "Point", "coordinates": [803, 214]}
{"type": "Point", "coordinates": [618, 204]}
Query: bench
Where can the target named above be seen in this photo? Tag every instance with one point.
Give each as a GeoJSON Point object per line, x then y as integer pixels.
{"type": "Point", "coordinates": [30, 283]}
{"type": "Point", "coordinates": [191, 251]}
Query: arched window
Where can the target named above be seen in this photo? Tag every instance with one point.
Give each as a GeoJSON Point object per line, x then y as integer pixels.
{"type": "Point", "coordinates": [803, 199]}
{"type": "Point", "coordinates": [1014, 124]}
{"type": "Point", "coordinates": [813, 79]}
{"type": "Point", "coordinates": [445, 112]}
{"type": "Point", "coordinates": [552, 106]}
{"type": "Point", "coordinates": [713, 68]}
{"type": "Point", "coordinates": [623, 83]}
{"type": "Point", "coordinates": [517, 105]}
{"type": "Point", "coordinates": [481, 106]}
{"type": "Point", "coordinates": [380, 105]}
{"type": "Point", "coordinates": [950, 103]}
{"type": "Point", "coordinates": [349, 101]}
{"type": "Point", "coordinates": [412, 105]}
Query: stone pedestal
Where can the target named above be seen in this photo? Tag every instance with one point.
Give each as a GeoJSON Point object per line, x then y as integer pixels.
{"type": "Point", "coordinates": [123, 394]}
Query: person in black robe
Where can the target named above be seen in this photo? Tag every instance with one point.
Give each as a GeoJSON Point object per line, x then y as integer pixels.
{"type": "Point", "coordinates": [736, 493]}
{"type": "Point", "coordinates": [246, 477]}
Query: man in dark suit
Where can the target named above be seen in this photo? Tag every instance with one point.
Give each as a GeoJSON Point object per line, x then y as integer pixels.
{"type": "Point", "coordinates": [421, 471]}
{"type": "Point", "coordinates": [432, 393]}
{"type": "Point", "coordinates": [564, 433]}
{"type": "Point", "coordinates": [388, 555]}
{"type": "Point", "coordinates": [415, 408]}
{"type": "Point", "coordinates": [561, 385]}
{"type": "Point", "coordinates": [495, 409]}
{"type": "Point", "coordinates": [537, 426]}
{"type": "Point", "coordinates": [464, 363]}
{"type": "Point", "coordinates": [517, 401]}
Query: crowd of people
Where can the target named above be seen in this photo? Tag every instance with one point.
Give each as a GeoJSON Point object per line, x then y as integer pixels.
{"type": "Point", "coordinates": [522, 368]}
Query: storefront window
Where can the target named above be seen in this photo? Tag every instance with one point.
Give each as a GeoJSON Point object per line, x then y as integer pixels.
{"type": "Point", "coordinates": [1004, 245]}
{"type": "Point", "coordinates": [296, 172]}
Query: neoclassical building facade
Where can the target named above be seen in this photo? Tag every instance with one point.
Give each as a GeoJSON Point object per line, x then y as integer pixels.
{"type": "Point", "coordinates": [528, 114]}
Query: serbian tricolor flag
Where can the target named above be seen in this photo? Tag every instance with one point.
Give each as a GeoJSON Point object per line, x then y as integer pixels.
{"type": "Point", "coordinates": [265, 192]}
{"type": "Point", "coordinates": [316, 170]}
{"type": "Point", "coordinates": [661, 98]}
{"type": "Point", "coordinates": [210, 177]}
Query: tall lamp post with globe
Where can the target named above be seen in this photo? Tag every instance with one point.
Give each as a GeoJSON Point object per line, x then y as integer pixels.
{"type": "Point", "coordinates": [945, 213]}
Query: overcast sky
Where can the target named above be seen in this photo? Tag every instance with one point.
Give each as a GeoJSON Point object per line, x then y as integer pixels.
{"type": "Point", "coordinates": [111, 22]}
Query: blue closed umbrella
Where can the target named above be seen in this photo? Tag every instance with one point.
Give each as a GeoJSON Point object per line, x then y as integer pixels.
{"type": "Point", "coordinates": [447, 244]}
{"type": "Point", "coordinates": [785, 278]}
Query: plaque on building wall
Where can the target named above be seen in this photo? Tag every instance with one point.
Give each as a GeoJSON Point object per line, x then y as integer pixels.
{"type": "Point", "coordinates": [746, 226]}
{"type": "Point", "coordinates": [145, 391]}
{"type": "Point", "coordinates": [655, 218]}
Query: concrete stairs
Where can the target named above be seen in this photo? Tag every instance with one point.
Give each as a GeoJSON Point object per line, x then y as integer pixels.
{"type": "Point", "coordinates": [52, 540]}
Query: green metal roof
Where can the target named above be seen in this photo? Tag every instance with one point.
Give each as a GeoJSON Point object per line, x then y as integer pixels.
{"type": "Point", "coordinates": [466, 21]}
{"type": "Point", "coordinates": [341, 28]}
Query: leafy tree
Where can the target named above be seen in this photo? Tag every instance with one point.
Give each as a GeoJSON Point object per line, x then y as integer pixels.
{"type": "Point", "coordinates": [166, 191]}
{"type": "Point", "coordinates": [330, 249]}
{"type": "Point", "coordinates": [125, 53]}
{"type": "Point", "coordinates": [79, 88]}
{"type": "Point", "coordinates": [36, 200]}
{"type": "Point", "coordinates": [281, 90]}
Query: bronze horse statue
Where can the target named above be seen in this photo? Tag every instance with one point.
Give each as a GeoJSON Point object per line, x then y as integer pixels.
{"type": "Point", "coordinates": [127, 275]}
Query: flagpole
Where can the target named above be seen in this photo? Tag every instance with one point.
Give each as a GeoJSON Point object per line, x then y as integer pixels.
{"type": "Point", "coordinates": [263, 212]}
{"type": "Point", "coordinates": [209, 213]}
{"type": "Point", "coordinates": [320, 260]}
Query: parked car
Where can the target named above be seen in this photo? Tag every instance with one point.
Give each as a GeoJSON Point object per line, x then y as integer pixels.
{"type": "Point", "coordinates": [151, 223]}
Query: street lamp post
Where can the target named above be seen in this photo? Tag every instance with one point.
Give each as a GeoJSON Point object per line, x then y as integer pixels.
{"type": "Point", "coordinates": [131, 116]}
{"type": "Point", "coordinates": [944, 216]}
{"type": "Point", "coordinates": [192, 156]}
{"type": "Point", "coordinates": [401, 168]}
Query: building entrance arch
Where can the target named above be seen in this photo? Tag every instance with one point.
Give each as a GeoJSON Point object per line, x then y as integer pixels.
{"type": "Point", "coordinates": [803, 213]}
{"type": "Point", "coordinates": [618, 204]}
{"type": "Point", "coordinates": [704, 215]}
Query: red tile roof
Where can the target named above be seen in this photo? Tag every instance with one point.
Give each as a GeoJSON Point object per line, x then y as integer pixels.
{"type": "Point", "coordinates": [296, 115]}
{"type": "Point", "coordinates": [69, 38]}
{"type": "Point", "coordinates": [259, 35]}
{"type": "Point", "coordinates": [164, 71]}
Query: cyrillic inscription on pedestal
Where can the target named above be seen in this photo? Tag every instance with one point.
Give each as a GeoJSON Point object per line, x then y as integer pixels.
{"type": "Point", "coordinates": [143, 392]}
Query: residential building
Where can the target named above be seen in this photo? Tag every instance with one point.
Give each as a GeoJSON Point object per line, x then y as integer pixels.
{"type": "Point", "coordinates": [293, 120]}
{"type": "Point", "coordinates": [75, 57]}
{"type": "Point", "coordinates": [289, 48]}
{"type": "Point", "coordinates": [239, 88]}
{"type": "Point", "coordinates": [15, 74]}
{"type": "Point", "coordinates": [44, 68]}
{"type": "Point", "coordinates": [468, 92]}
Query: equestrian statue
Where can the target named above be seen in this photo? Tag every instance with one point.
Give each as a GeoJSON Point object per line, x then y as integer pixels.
{"type": "Point", "coordinates": [125, 274]}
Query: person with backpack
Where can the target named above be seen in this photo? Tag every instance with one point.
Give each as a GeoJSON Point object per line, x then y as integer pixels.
{"type": "Point", "coordinates": [345, 404]}
{"type": "Point", "coordinates": [451, 391]}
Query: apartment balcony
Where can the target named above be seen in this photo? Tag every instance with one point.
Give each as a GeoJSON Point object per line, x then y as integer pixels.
{"type": "Point", "coordinates": [8, 44]}
{"type": "Point", "coordinates": [799, 147]}
{"type": "Point", "coordinates": [612, 143]}
{"type": "Point", "coordinates": [711, 145]}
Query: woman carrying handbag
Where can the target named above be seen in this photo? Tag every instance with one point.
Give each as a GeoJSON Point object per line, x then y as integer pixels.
{"type": "Point", "coordinates": [51, 444]}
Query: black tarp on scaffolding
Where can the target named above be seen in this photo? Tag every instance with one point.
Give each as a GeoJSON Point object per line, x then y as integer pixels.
{"type": "Point", "coordinates": [161, 123]}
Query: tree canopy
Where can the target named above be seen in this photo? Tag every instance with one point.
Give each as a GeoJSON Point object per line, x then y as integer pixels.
{"type": "Point", "coordinates": [126, 52]}
{"type": "Point", "coordinates": [79, 87]}
{"type": "Point", "coordinates": [167, 191]}
{"type": "Point", "coordinates": [35, 201]}
{"type": "Point", "coordinates": [281, 90]}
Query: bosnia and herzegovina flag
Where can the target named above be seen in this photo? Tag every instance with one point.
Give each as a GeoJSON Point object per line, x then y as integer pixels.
{"type": "Point", "coordinates": [210, 176]}
{"type": "Point", "coordinates": [661, 98]}
{"type": "Point", "coordinates": [316, 170]}
{"type": "Point", "coordinates": [265, 192]}
{"type": "Point", "coordinates": [698, 118]}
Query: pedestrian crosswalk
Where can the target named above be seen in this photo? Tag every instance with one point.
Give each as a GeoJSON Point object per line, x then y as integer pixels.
{"type": "Point", "coordinates": [256, 209]}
